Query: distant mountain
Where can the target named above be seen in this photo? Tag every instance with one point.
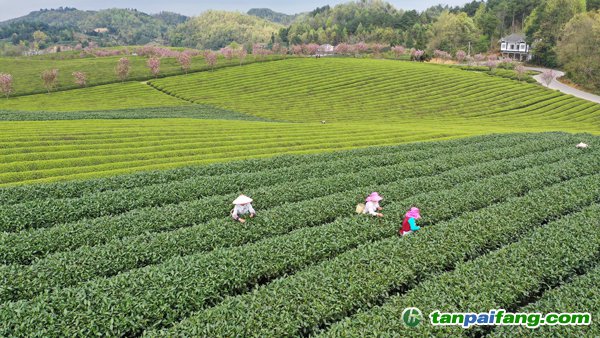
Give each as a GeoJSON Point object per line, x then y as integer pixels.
{"type": "Point", "coordinates": [107, 27]}
{"type": "Point", "coordinates": [62, 16]}
{"type": "Point", "coordinates": [270, 15]}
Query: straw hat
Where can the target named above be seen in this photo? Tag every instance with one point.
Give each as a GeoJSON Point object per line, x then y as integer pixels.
{"type": "Point", "coordinates": [374, 197]}
{"type": "Point", "coordinates": [582, 145]}
{"type": "Point", "coordinates": [242, 199]}
{"type": "Point", "coordinates": [414, 213]}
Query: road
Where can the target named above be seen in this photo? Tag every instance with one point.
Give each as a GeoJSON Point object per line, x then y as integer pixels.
{"type": "Point", "coordinates": [555, 84]}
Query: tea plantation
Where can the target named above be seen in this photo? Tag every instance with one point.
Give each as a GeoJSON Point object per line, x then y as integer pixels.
{"type": "Point", "coordinates": [115, 200]}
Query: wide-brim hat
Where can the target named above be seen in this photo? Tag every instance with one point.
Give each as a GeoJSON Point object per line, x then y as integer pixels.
{"type": "Point", "coordinates": [374, 197]}
{"type": "Point", "coordinates": [414, 213]}
{"type": "Point", "coordinates": [582, 145]}
{"type": "Point", "coordinates": [242, 199]}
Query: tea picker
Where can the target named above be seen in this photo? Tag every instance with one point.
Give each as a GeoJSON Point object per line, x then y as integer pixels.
{"type": "Point", "coordinates": [242, 207]}
{"type": "Point", "coordinates": [372, 205]}
{"type": "Point", "coordinates": [409, 223]}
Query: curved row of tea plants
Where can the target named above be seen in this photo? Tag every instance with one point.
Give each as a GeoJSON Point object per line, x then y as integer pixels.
{"type": "Point", "coordinates": [410, 152]}
{"type": "Point", "coordinates": [578, 295]}
{"type": "Point", "coordinates": [111, 96]}
{"type": "Point", "coordinates": [122, 255]}
{"type": "Point", "coordinates": [499, 280]}
{"type": "Point", "coordinates": [350, 89]}
{"type": "Point", "coordinates": [195, 111]}
{"type": "Point", "coordinates": [186, 273]}
{"type": "Point", "coordinates": [26, 71]}
{"type": "Point", "coordinates": [359, 279]}
{"type": "Point", "coordinates": [25, 246]}
{"type": "Point", "coordinates": [267, 139]}
{"type": "Point", "coordinates": [42, 213]}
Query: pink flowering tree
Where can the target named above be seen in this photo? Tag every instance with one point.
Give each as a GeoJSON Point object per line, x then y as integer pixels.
{"type": "Point", "coordinates": [185, 61]}
{"type": "Point", "coordinates": [260, 52]}
{"type": "Point", "coordinates": [479, 58]}
{"type": "Point", "coordinates": [416, 54]}
{"type": "Point", "coordinates": [398, 51]}
{"type": "Point", "coordinates": [50, 78]}
{"type": "Point", "coordinates": [153, 64]}
{"type": "Point", "coordinates": [284, 52]}
{"type": "Point", "coordinates": [547, 76]}
{"type": "Point", "coordinates": [492, 58]}
{"type": "Point", "coordinates": [80, 78]}
{"type": "Point", "coordinates": [342, 49]}
{"type": "Point", "coordinates": [228, 53]}
{"type": "Point", "coordinates": [211, 59]}
{"type": "Point", "coordinates": [520, 70]}
{"type": "Point", "coordinates": [442, 55]}
{"type": "Point", "coordinates": [276, 48]}
{"type": "Point", "coordinates": [6, 82]}
{"type": "Point", "coordinates": [122, 69]}
{"type": "Point", "coordinates": [312, 49]}
{"type": "Point", "coordinates": [360, 48]}
{"type": "Point", "coordinates": [242, 53]}
{"type": "Point", "coordinates": [461, 56]}
{"type": "Point", "coordinates": [297, 49]}
{"type": "Point", "coordinates": [491, 64]}
{"type": "Point", "coordinates": [377, 48]}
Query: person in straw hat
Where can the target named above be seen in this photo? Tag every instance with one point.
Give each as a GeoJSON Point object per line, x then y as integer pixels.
{"type": "Point", "coordinates": [409, 223]}
{"type": "Point", "coordinates": [372, 206]}
{"type": "Point", "coordinates": [242, 207]}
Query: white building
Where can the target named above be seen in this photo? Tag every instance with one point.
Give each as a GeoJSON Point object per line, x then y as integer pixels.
{"type": "Point", "coordinates": [515, 47]}
{"type": "Point", "coordinates": [325, 50]}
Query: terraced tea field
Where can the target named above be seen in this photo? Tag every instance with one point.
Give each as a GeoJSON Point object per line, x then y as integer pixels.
{"type": "Point", "coordinates": [100, 70]}
{"type": "Point", "coordinates": [155, 253]}
{"type": "Point", "coordinates": [342, 90]}
{"type": "Point", "coordinates": [115, 200]}
{"type": "Point", "coordinates": [363, 102]}
{"type": "Point", "coordinates": [106, 97]}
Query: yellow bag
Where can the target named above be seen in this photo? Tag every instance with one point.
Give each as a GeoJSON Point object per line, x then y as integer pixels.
{"type": "Point", "coordinates": [360, 208]}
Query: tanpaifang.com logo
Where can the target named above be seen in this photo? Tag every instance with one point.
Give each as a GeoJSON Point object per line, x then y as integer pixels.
{"type": "Point", "coordinates": [412, 316]}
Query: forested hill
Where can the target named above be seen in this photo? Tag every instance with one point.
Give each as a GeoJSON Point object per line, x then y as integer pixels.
{"type": "Point", "coordinates": [123, 26]}
{"type": "Point", "coordinates": [271, 15]}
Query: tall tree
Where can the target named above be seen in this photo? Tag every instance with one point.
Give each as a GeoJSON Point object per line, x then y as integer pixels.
{"type": "Point", "coordinates": [50, 78]}
{"type": "Point", "coordinates": [122, 69]}
{"type": "Point", "coordinates": [545, 24]}
{"type": "Point", "coordinates": [452, 32]}
{"type": "Point", "coordinates": [578, 49]}
{"type": "Point", "coordinates": [6, 81]}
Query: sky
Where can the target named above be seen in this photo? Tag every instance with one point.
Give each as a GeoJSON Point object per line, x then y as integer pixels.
{"type": "Point", "coordinates": [11, 9]}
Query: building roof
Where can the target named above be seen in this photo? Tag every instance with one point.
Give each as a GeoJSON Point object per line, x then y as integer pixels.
{"type": "Point", "coordinates": [514, 38]}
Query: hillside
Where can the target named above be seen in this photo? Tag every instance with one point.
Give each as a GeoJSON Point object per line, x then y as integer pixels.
{"type": "Point", "coordinates": [362, 101]}
{"type": "Point", "coordinates": [124, 26]}
{"type": "Point", "coordinates": [62, 16]}
{"type": "Point", "coordinates": [271, 15]}
{"type": "Point", "coordinates": [217, 29]}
